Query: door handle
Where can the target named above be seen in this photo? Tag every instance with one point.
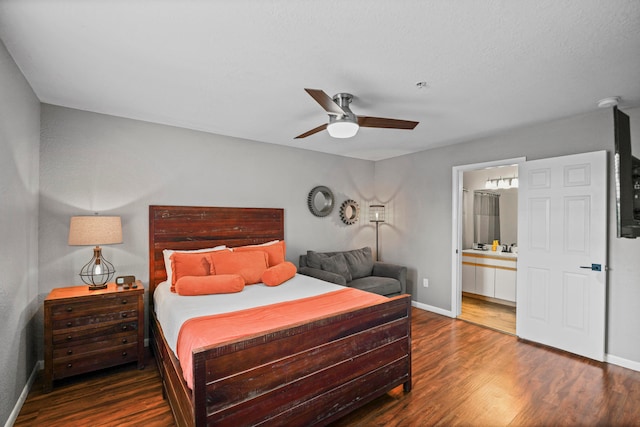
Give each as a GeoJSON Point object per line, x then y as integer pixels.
{"type": "Point", "coordinates": [593, 267]}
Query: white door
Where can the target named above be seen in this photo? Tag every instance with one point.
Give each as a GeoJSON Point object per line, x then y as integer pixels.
{"type": "Point", "coordinates": [562, 250]}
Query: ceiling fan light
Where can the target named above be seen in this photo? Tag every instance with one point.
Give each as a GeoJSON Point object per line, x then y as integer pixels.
{"type": "Point", "coordinates": [342, 129]}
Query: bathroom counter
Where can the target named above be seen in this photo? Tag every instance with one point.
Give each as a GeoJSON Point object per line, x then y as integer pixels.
{"type": "Point", "coordinates": [490, 254]}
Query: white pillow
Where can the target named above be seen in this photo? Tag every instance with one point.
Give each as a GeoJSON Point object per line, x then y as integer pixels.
{"type": "Point", "coordinates": [273, 242]}
{"type": "Point", "coordinates": [166, 253]}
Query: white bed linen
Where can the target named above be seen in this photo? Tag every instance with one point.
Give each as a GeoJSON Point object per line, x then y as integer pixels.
{"type": "Point", "coordinates": [172, 310]}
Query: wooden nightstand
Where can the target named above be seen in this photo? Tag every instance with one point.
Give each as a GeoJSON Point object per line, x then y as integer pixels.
{"type": "Point", "coordinates": [88, 330]}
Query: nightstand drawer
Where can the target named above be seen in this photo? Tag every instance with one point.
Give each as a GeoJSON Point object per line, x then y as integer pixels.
{"type": "Point", "coordinates": [76, 348]}
{"type": "Point", "coordinates": [78, 334]}
{"type": "Point", "coordinates": [94, 319]}
{"type": "Point", "coordinates": [68, 366]}
{"type": "Point", "coordinates": [89, 306]}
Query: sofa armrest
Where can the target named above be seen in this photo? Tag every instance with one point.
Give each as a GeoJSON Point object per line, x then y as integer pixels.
{"type": "Point", "coordinates": [398, 272]}
{"type": "Point", "coordinates": [327, 276]}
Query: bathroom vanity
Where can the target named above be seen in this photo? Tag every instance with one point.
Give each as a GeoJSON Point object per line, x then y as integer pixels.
{"type": "Point", "coordinates": [490, 274]}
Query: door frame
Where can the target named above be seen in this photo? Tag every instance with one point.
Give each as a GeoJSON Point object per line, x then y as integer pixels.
{"type": "Point", "coordinates": [456, 221]}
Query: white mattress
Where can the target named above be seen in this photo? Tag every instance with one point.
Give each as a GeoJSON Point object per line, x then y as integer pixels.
{"type": "Point", "coordinates": [172, 310]}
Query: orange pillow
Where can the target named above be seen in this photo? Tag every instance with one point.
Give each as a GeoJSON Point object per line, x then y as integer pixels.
{"type": "Point", "coordinates": [207, 285]}
{"type": "Point", "coordinates": [276, 275]}
{"type": "Point", "coordinates": [189, 264]}
{"type": "Point", "coordinates": [275, 250]}
{"type": "Point", "coordinates": [249, 265]}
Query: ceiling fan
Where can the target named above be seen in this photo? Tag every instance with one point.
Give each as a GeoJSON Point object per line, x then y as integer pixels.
{"type": "Point", "coordinates": [342, 122]}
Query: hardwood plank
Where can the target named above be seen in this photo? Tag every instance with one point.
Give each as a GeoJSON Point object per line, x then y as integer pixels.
{"type": "Point", "coordinates": [463, 374]}
{"type": "Point", "coordinates": [121, 396]}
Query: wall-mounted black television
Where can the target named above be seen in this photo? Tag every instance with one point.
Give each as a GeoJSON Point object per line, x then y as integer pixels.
{"type": "Point", "coordinates": [627, 170]}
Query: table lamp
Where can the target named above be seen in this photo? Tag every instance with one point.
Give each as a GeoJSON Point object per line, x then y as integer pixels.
{"type": "Point", "coordinates": [95, 230]}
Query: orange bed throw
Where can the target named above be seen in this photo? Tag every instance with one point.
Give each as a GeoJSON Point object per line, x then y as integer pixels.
{"type": "Point", "coordinates": [216, 329]}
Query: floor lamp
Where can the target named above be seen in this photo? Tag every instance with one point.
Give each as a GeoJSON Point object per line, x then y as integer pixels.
{"type": "Point", "coordinates": [376, 214]}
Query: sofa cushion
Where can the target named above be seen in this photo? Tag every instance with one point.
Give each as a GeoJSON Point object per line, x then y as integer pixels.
{"type": "Point", "coordinates": [379, 285]}
{"type": "Point", "coordinates": [314, 259]}
{"type": "Point", "coordinates": [360, 262]}
{"type": "Point", "coordinates": [336, 264]}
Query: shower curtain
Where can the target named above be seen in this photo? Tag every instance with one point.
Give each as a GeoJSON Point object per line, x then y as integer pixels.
{"type": "Point", "coordinates": [486, 217]}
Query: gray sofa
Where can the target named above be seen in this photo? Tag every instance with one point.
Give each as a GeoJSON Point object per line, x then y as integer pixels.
{"type": "Point", "coordinates": [356, 269]}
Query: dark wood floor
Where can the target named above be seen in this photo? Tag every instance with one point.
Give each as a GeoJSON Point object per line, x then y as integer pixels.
{"type": "Point", "coordinates": [463, 374]}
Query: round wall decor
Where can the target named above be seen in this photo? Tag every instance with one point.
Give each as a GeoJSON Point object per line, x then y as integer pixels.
{"type": "Point", "coordinates": [320, 201]}
{"type": "Point", "coordinates": [349, 211]}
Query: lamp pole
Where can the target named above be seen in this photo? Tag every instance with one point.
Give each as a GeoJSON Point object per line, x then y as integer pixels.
{"type": "Point", "coordinates": [376, 214]}
{"type": "Point", "coordinates": [377, 251]}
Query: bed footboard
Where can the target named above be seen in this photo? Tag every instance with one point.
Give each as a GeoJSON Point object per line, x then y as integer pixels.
{"type": "Point", "coordinates": [306, 374]}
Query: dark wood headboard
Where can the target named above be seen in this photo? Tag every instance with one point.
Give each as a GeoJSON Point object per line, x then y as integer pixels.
{"type": "Point", "coordinates": [193, 227]}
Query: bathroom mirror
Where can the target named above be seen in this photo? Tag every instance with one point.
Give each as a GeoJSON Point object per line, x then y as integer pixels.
{"type": "Point", "coordinates": [320, 201]}
{"type": "Point", "coordinates": [349, 211]}
{"type": "Point", "coordinates": [486, 216]}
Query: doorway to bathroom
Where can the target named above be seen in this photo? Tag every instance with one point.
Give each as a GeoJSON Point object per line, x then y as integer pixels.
{"type": "Point", "coordinates": [486, 261]}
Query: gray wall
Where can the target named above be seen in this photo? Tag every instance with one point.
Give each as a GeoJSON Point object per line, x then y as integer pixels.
{"type": "Point", "coordinates": [19, 142]}
{"type": "Point", "coordinates": [419, 234]}
{"type": "Point", "coordinates": [98, 163]}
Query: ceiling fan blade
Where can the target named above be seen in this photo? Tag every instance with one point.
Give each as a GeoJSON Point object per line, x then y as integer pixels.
{"type": "Point", "coordinates": [380, 122]}
{"type": "Point", "coordinates": [312, 131]}
{"type": "Point", "coordinates": [326, 102]}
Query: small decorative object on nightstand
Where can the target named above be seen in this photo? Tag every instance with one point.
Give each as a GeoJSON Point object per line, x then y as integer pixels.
{"type": "Point", "coordinates": [87, 330]}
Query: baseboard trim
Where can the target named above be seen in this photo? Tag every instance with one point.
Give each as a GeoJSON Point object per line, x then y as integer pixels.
{"type": "Point", "coordinates": [432, 308]}
{"type": "Point", "coordinates": [13, 416]}
{"type": "Point", "coordinates": [619, 361]}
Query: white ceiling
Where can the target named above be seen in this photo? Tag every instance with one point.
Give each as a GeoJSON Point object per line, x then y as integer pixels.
{"type": "Point", "coordinates": [238, 67]}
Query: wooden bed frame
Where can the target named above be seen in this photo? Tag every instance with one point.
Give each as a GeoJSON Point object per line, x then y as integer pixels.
{"type": "Point", "coordinates": [306, 374]}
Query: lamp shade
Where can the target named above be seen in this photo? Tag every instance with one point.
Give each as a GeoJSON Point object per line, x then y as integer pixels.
{"type": "Point", "coordinates": [376, 213]}
{"type": "Point", "coordinates": [95, 230]}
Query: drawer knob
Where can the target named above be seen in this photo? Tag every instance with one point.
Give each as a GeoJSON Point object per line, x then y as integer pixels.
{"type": "Point", "coordinates": [69, 365]}
{"type": "Point", "coordinates": [69, 324]}
{"type": "Point", "coordinates": [68, 337]}
{"type": "Point", "coordinates": [124, 327]}
{"type": "Point", "coordinates": [124, 354]}
{"type": "Point", "coordinates": [124, 301]}
{"type": "Point", "coordinates": [124, 314]}
{"type": "Point", "coordinates": [69, 352]}
{"type": "Point", "coordinates": [69, 309]}
{"type": "Point", "coordinates": [124, 341]}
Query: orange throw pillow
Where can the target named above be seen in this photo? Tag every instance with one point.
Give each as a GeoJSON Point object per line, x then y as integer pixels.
{"type": "Point", "coordinates": [189, 264]}
{"type": "Point", "coordinates": [249, 265]}
{"type": "Point", "coordinates": [207, 285]}
{"type": "Point", "coordinates": [275, 250]}
{"type": "Point", "coordinates": [277, 275]}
